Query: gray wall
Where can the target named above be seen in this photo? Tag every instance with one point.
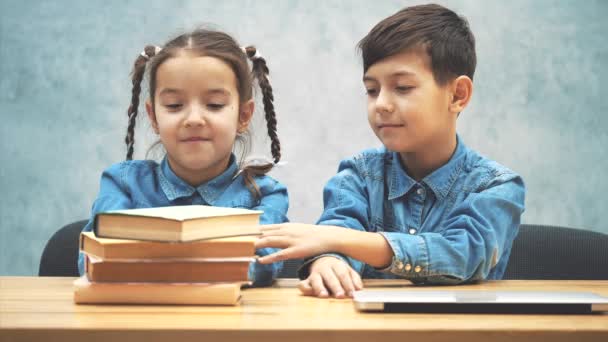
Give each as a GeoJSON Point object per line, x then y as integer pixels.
{"type": "Point", "coordinates": [539, 104]}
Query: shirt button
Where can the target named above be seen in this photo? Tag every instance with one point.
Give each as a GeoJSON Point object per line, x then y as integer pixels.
{"type": "Point", "coordinates": [408, 267]}
{"type": "Point", "coordinates": [412, 231]}
{"type": "Point", "coordinates": [399, 264]}
{"type": "Point", "coordinates": [420, 191]}
{"type": "Point", "coordinates": [417, 269]}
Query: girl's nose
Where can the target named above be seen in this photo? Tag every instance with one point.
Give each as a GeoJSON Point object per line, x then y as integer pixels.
{"type": "Point", "coordinates": [195, 117]}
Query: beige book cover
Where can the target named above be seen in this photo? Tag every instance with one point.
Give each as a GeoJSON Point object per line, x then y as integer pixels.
{"type": "Point", "coordinates": [177, 223]}
{"type": "Point", "coordinates": [86, 292]}
{"type": "Point", "coordinates": [117, 249]}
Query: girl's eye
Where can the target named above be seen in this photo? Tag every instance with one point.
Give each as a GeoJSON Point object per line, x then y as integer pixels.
{"type": "Point", "coordinates": [215, 106]}
{"type": "Point", "coordinates": [174, 106]}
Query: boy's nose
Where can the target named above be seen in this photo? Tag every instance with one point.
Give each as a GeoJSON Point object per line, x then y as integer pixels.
{"type": "Point", "coordinates": [384, 104]}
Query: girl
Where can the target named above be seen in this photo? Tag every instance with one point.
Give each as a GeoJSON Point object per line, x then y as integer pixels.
{"type": "Point", "coordinates": [200, 103]}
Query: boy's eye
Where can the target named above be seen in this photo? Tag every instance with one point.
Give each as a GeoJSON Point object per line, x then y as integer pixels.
{"type": "Point", "coordinates": [403, 89]}
{"type": "Point", "coordinates": [371, 91]}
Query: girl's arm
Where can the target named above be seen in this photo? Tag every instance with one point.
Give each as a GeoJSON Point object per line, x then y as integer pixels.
{"type": "Point", "coordinates": [113, 195]}
{"type": "Point", "coordinates": [274, 203]}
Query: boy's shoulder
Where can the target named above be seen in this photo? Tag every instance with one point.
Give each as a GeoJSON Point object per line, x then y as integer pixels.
{"type": "Point", "coordinates": [368, 159]}
{"type": "Point", "coordinates": [486, 170]}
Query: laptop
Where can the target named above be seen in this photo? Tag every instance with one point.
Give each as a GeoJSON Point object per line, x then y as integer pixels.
{"type": "Point", "coordinates": [467, 301]}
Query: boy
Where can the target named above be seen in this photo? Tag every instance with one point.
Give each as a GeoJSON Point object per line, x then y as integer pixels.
{"type": "Point", "coordinates": [425, 207]}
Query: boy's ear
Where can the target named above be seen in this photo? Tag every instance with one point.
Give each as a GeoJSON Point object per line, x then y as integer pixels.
{"type": "Point", "coordinates": [462, 90]}
{"type": "Point", "coordinates": [152, 116]}
{"type": "Point", "coordinates": [245, 115]}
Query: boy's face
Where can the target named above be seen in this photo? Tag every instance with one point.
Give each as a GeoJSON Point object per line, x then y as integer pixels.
{"type": "Point", "coordinates": [407, 109]}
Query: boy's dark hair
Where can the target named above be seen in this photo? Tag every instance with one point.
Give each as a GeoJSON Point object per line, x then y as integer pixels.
{"type": "Point", "coordinates": [219, 45]}
{"type": "Point", "coordinates": [445, 36]}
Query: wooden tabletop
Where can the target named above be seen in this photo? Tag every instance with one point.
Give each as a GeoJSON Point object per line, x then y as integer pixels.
{"type": "Point", "coordinates": [41, 309]}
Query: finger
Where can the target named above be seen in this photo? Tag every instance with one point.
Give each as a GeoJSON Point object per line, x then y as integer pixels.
{"type": "Point", "coordinates": [318, 288]}
{"type": "Point", "coordinates": [356, 280]}
{"type": "Point", "coordinates": [342, 272]}
{"type": "Point", "coordinates": [332, 282]}
{"type": "Point", "coordinates": [270, 227]}
{"type": "Point", "coordinates": [276, 232]}
{"type": "Point", "coordinates": [305, 288]}
{"type": "Point", "coordinates": [284, 254]}
{"type": "Point", "coordinates": [272, 241]}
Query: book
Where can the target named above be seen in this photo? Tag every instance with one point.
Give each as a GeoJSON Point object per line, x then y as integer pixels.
{"type": "Point", "coordinates": [86, 292]}
{"type": "Point", "coordinates": [119, 249]}
{"type": "Point", "coordinates": [177, 223]}
{"type": "Point", "coordinates": [168, 270]}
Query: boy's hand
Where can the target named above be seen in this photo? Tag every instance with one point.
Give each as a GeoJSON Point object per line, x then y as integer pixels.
{"type": "Point", "coordinates": [297, 240]}
{"type": "Point", "coordinates": [330, 275]}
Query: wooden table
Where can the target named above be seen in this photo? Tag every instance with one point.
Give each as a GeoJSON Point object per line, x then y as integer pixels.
{"type": "Point", "coordinates": [41, 309]}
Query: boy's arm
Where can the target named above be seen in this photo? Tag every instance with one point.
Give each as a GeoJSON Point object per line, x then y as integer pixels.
{"type": "Point", "coordinates": [346, 205]}
{"type": "Point", "coordinates": [474, 236]}
{"type": "Point", "coordinates": [113, 195]}
{"type": "Point", "coordinates": [274, 203]}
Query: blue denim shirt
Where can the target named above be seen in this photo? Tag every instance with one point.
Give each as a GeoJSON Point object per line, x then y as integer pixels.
{"type": "Point", "coordinates": [455, 225]}
{"type": "Point", "coordinates": [147, 184]}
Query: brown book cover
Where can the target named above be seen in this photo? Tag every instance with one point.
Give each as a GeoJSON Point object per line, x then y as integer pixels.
{"type": "Point", "coordinates": [117, 249]}
{"type": "Point", "coordinates": [177, 223]}
{"type": "Point", "coordinates": [86, 292]}
{"type": "Point", "coordinates": [168, 270]}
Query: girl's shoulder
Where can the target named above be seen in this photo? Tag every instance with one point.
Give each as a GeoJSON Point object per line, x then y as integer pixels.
{"type": "Point", "coordinates": [267, 184]}
{"type": "Point", "coordinates": [131, 169]}
{"type": "Point", "coordinates": [132, 166]}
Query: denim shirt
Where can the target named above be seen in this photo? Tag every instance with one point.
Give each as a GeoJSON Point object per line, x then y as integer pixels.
{"type": "Point", "coordinates": [147, 184]}
{"type": "Point", "coordinates": [456, 225]}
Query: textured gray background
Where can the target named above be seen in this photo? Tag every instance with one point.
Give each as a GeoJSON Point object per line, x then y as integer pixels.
{"type": "Point", "coordinates": [539, 104]}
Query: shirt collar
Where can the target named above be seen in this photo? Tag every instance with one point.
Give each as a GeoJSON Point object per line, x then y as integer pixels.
{"type": "Point", "coordinates": [439, 181]}
{"type": "Point", "coordinates": [175, 187]}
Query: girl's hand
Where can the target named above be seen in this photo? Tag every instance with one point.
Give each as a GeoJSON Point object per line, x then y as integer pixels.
{"type": "Point", "coordinates": [297, 240]}
{"type": "Point", "coordinates": [330, 275]}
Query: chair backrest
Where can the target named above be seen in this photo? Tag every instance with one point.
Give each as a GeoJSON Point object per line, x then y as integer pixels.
{"type": "Point", "coordinates": [553, 253]}
{"type": "Point", "coordinates": [60, 255]}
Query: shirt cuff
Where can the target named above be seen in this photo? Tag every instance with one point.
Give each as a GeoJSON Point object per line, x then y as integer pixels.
{"type": "Point", "coordinates": [410, 255]}
{"type": "Point", "coordinates": [304, 270]}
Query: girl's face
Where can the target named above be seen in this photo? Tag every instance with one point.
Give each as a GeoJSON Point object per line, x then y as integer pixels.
{"type": "Point", "coordinates": [197, 115]}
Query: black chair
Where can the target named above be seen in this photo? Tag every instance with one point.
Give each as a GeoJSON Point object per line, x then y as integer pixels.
{"type": "Point", "coordinates": [554, 253]}
{"type": "Point", "coordinates": [60, 255]}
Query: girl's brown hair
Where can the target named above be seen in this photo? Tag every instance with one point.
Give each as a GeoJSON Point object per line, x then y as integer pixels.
{"type": "Point", "coordinates": [219, 45]}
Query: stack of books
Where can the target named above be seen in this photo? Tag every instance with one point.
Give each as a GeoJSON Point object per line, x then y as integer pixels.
{"type": "Point", "coordinates": [171, 255]}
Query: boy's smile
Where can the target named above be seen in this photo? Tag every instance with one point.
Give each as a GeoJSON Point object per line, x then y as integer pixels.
{"type": "Point", "coordinates": [410, 112]}
{"type": "Point", "coordinates": [407, 109]}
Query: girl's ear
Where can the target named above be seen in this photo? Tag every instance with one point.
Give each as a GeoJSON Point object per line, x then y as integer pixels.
{"type": "Point", "coordinates": [245, 115]}
{"type": "Point", "coordinates": [152, 116]}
